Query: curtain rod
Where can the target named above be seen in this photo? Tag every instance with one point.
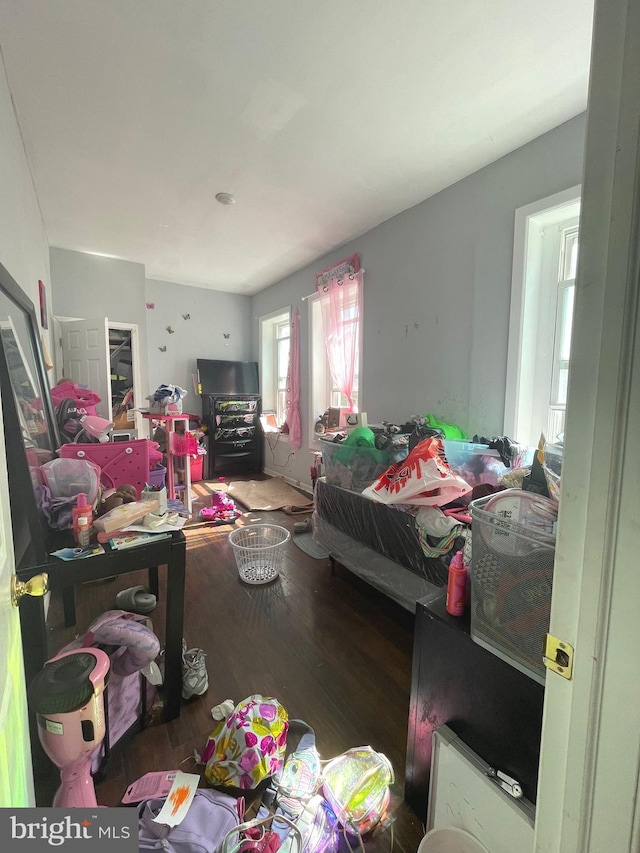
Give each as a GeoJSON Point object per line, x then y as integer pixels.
{"type": "Point", "coordinates": [315, 293]}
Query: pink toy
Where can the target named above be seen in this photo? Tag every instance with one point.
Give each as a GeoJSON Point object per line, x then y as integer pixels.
{"type": "Point", "coordinates": [68, 697]}
{"type": "Point", "coordinates": [223, 510]}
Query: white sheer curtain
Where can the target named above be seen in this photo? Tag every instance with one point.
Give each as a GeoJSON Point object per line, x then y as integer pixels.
{"type": "Point", "coordinates": [340, 303]}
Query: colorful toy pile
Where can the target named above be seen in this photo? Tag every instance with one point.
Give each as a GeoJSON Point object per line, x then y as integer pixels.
{"type": "Point", "coordinates": [223, 509]}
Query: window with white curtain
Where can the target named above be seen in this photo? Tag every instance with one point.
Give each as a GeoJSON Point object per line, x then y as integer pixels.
{"type": "Point", "coordinates": [324, 392]}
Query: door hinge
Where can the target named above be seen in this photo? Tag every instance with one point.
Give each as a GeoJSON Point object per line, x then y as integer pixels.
{"type": "Point", "coordinates": [558, 656]}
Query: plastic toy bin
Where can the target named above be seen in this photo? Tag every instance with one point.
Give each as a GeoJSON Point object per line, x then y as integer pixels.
{"type": "Point", "coordinates": [196, 466]}
{"type": "Point", "coordinates": [157, 476]}
{"type": "Point", "coordinates": [120, 462]}
{"type": "Point", "coordinates": [354, 468]}
{"type": "Point", "coordinates": [511, 585]}
{"type": "Point", "coordinates": [475, 463]}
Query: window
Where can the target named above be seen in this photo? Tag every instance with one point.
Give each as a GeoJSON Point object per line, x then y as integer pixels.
{"type": "Point", "coordinates": [282, 332]}
{"type": "Point", "coordinates": [275, 331]}
{"type": "Point", "coordinates": [324, 392]}
{"type": "Point", "coordinates": [546, 242]}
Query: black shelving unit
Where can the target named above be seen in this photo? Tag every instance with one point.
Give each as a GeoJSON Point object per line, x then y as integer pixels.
{"type": "Point", "coordinates": [493, 707]}
{"type": "Point", "coordinates": [235, 435]}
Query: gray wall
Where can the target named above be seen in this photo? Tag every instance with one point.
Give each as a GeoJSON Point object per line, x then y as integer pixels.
{"type": "Point", "coordinates": [90, 286]}
{"type": "Point", "coordinates": [436, 296]}
{"type": "Point", "coordinates": [212, 314]}
{"type": "Point", "coordinates": [23, 242]}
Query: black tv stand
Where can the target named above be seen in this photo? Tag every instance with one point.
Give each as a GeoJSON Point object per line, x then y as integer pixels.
{"type": "Point", "coordinates": [235, 434]}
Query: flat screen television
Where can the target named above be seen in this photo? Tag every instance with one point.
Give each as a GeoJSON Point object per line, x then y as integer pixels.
{"type": "Point", "coordinates": [227, 377]}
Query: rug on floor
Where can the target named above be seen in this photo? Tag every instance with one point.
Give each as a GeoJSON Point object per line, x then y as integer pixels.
{"type": "Point", "coordinates": [267, 494]}
{"type": "Point", "coordinates": [306, 543]}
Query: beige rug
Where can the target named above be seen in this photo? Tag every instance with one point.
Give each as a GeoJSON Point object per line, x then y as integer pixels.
{"type": "Point", "coordinates": [268, 495]}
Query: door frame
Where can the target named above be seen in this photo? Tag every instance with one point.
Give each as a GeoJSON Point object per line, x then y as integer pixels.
{"type": "Point", "coordinates": [135, 368]}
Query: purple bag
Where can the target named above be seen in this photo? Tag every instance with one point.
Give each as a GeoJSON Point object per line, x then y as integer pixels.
{"type": "Point", "coordinates": [131, 645]}
{"type": "Point", "coordinates": [211, 816]}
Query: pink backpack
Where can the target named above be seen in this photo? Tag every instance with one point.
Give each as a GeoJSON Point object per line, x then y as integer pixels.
{"type": "Point", "coordinates": [131, 645]}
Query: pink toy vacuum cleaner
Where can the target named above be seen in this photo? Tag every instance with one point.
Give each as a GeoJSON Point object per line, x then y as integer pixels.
{"type": "Point", "coordinates": [68, 698]}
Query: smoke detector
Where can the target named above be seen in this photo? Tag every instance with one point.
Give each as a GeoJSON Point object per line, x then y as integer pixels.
{"type": "Point", "coordinates": [225, 198]}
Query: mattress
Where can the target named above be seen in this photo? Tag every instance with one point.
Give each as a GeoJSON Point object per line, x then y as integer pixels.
{"type": "Point", "coordinates": [386, 530]}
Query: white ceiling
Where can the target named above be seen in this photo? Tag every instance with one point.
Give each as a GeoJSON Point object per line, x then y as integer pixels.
{"type": "Point", "coordinates": [324, 118]}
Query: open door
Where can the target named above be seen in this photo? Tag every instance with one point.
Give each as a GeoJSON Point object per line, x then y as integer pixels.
{"type": "Point", "coordinates": [85, 358]}
{"type": "Point", "coordinates": [103, 355]}
{"type": "Point", "coordinates": [16, 776]}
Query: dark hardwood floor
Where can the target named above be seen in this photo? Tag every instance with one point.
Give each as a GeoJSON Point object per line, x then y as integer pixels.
{"type": "Point", "coordinates": [332, 650]}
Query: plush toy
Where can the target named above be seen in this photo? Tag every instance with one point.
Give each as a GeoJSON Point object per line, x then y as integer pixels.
{"type": "Point", "coordinates": [122, 495]}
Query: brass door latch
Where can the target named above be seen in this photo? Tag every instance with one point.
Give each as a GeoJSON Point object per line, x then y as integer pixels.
{"type": "Point", "coordinates": [558, 656]}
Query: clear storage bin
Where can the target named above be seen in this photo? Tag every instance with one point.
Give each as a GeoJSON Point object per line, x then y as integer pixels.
{"type": "Point", "coordinates": [354, 468]}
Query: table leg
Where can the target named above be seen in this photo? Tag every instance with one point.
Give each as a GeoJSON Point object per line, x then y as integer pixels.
{"type": "Point", "coordinates": [46, 777]}
{"type": "Point", "coordinates": [152, 574]}
{"type": "Point", "coordinates": [69, 606]}
{"type": "Point", "coordinates": [174, 630]}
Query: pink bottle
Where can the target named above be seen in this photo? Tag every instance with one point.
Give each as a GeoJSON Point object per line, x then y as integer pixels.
{"type": "Point", "coordinates": [456, 586]}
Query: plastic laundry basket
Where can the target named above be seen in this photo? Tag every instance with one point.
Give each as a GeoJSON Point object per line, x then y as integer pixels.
{"type": "Point", "coordinates": [259, 549]}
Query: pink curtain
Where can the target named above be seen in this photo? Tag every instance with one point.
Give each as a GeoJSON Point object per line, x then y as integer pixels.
{"type": "Point", "coordinates": [292, 404]}
{"type": "Point", "coordinates": [340, 301]}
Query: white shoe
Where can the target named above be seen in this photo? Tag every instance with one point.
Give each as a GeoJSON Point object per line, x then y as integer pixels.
{"type": "Point", "coordinates": [195, 681]}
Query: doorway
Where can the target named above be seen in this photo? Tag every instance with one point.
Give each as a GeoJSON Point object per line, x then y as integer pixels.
{"type": "Point", "coordinates": [103, 355]}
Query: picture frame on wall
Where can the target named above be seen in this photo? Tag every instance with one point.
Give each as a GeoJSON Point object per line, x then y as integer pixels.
{"type": "Point", "coordinates": [42, 295]}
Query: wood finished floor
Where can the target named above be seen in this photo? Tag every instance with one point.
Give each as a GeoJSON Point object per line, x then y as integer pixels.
{"type": "Point", "coordinates": [332, 650]}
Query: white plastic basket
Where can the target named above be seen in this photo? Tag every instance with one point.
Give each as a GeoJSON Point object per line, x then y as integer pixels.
{"type": "Point", "coordinates": [259, 550]}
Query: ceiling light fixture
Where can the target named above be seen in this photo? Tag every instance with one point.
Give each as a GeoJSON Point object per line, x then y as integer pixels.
{"type": "Point", "coordinates": [225, 198]}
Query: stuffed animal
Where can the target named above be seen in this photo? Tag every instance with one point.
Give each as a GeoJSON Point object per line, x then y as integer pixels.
{"type": "Point", "coordinates": [122, 495]}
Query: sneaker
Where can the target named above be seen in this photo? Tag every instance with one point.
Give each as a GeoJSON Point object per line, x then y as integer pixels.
{"type": "Point", "coordinates": [195, 681]}
{"type": "Point", "coordinates": [160, 658]}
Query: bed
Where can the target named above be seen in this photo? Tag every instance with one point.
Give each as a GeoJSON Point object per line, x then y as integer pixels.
{"type": "Point", "coordinates": [379, 543]}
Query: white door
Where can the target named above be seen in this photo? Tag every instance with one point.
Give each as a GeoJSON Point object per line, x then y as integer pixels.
{"type": "Point", "coordinates": [85, 358]}
{"type": "Point", "coordinates": [588, 792]}
{"type": "Point", "coordinates": [16, 777]}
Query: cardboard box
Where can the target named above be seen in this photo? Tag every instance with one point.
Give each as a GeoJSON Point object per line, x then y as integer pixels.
{"type": "Point", "coordinates": [164, 407]}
